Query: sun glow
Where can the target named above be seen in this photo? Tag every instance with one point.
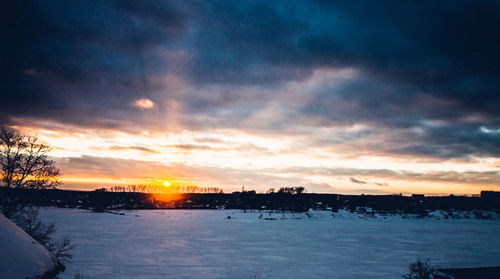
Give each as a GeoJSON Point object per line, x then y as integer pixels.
{"type": "Point", "coordinates": [166, 183]}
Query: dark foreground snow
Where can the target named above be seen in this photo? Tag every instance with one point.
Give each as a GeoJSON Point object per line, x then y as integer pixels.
{"type": "Point", "coordinates": [20, 255]}
{"type": "Point", "coordinates": [206, 244]}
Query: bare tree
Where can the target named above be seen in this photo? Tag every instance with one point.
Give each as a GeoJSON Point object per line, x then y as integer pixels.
{"type": "Point", "coordinates": [24, 162]}
{"type": "Point", "coordinates": [23, 165]}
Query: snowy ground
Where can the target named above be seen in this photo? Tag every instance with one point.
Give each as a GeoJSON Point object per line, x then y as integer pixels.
{"type": "Point", "coordinates": [21, 256]}
{"type": "Point", "coordinates": [206, 244]}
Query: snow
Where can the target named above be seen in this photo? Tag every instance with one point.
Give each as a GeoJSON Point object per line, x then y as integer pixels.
{"type": "Point", "coordinates": [206, 244]}
{"type": "Point", "coordinates": [21, 256]}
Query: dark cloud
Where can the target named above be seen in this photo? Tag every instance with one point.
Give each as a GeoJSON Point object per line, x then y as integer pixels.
{"type": "Point", "coordinates": [82, 62]}
{"type": "Point", "coordinates": [447, 49]}
{"type": "Point", "coordinates": [227, 146]}
{"type": "Point", "coordinates": [412, 123]}
{"type": "Point", "coordinates": [138, 148]}
{"type": "Point", "coordinates": [417, 62]}
{"type": "Point", "coordinates": [479, 178]}
{"type": "Point", "coordinates": [357, 181]}
{"type": "Point", "coordinates": [453, 141]}
{"type": "Point", "coordinates": [190, 147]}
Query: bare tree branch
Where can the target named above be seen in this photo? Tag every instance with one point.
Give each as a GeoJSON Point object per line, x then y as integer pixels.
{"type": "Point", "coordinates": [24, 162]}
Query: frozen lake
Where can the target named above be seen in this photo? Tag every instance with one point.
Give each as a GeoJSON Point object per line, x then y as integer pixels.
{"type": "Point", "coordinates": [206, 244]}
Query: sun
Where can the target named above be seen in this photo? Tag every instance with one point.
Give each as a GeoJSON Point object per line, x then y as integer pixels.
{"type": "Point", "coordinates": [166, 183]}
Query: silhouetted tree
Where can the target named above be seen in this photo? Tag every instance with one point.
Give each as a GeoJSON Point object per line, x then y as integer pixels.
{"type": "Point", "coordinates": [291, 190]}
{"type": "Point", "coordinates": [299, 190]}
{"type": "Point", "coordinates": [24, 164]}
{"type": "Point", "coordinates": [286, 190]}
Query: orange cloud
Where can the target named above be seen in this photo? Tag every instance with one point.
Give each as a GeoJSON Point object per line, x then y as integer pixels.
{"type": "Point", "coordinates": [144, 103]}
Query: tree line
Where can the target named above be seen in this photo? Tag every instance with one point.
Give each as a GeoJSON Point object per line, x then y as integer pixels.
{"type": "Point", "coordinates": [153, 189]}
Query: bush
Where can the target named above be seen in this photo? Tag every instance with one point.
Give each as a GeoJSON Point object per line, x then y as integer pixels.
{"type": "Point", "coordinates": [425, 270]}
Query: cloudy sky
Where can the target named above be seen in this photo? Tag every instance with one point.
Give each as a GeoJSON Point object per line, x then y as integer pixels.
{"type": "Point", "coordinates": [336, 96]}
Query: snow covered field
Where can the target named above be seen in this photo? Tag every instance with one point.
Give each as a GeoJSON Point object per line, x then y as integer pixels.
{"type": "Point", "coordinates": [206, 244]}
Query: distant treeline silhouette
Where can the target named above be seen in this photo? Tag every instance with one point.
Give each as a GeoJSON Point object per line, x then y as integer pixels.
{"type": "Point", "coordinates": [151, 189]}
{"type": "Point", "coordinates": [285, 199]}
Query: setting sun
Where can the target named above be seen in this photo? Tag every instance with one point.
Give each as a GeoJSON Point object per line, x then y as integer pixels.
{"type": "Point", "coordinates": [166, 183]}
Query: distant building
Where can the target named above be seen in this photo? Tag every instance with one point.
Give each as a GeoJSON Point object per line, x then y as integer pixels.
{"type": "Point", "coordinates": [490, 195]}
{"type": "Point", "coordinates": [418, 196]}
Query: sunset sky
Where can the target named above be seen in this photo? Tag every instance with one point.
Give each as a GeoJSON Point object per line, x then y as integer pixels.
{"type": "Point", "coordinates": [336, 96]}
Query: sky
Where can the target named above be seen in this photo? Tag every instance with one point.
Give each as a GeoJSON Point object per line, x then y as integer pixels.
{"type": "Point", "coordinates": [345, 97]}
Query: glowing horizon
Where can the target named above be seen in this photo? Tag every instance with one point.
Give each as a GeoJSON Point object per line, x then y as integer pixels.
{"type": "Point", "coordinates": [118, 158]}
